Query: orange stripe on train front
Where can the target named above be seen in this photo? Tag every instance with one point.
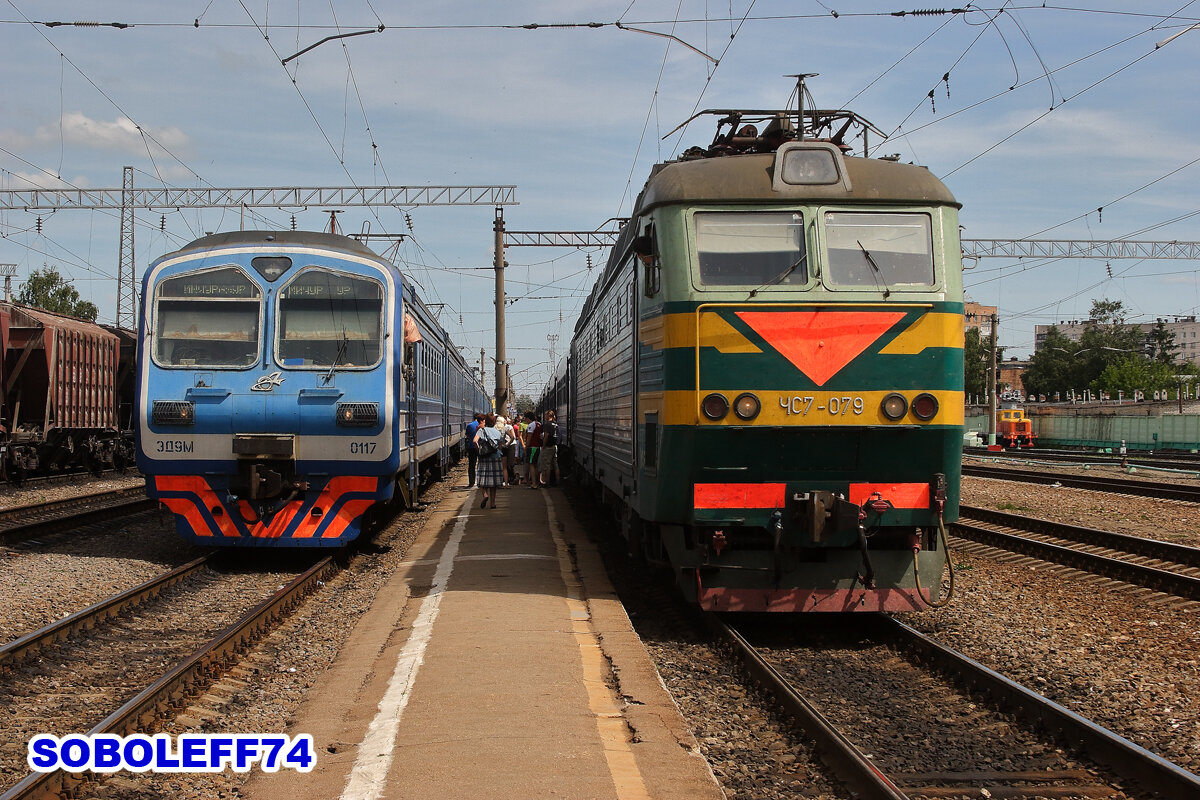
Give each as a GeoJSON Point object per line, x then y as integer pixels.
{"type": "Point", "coordinates": [350, 511]}
{"type": "Point", "coordinates": [900, 495]}
{"type": "Point", "coordinates": [206, 496]}
{"type": "Point", "coordinates": [740, 495]}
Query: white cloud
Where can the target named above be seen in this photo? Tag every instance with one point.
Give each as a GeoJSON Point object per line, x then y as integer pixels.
{"type": "Point", "coordinates": [121, 135]}
{"type": "Point", "coordinates": [25, 181]}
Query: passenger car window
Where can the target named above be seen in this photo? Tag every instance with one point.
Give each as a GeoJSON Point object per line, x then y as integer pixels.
{"type": "Point", "coordinates": [209, 318]}
{"type": "Point", "coordinates": [329, 318]}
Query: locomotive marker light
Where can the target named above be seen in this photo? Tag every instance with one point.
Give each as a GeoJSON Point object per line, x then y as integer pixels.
{"type": "Point", "coordinates": [924, 406]}
{"type": "Point", "coordinates": [746, 406]}
{"type": "Point", "coordinates": [715, 406]}
{"type": "Point", "coordinates": [894, 406]}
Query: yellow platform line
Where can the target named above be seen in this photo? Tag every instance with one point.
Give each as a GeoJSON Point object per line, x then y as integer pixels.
{"type": "Point", "coordinates": [604, 703]}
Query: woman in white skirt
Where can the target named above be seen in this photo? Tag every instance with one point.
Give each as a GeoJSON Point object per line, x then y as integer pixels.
{"type": "Point", "coordinates": [489, 472]}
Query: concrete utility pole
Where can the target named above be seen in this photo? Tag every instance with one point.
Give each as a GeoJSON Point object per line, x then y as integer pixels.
{"type": "Point", "coordinates": [992, 385]}
{"type": "Point", "coordinates": [501, 359]}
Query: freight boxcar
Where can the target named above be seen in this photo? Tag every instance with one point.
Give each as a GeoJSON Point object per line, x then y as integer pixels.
{"type": "Point", "coordinates": [59, 394]}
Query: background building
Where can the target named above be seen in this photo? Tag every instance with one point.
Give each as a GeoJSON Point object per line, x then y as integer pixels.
{"type": "Point", "coordinates": [1186, 330]}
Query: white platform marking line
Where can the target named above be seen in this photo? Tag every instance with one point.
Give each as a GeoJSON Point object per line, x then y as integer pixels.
{"type": "Point", "coordinates": [368, 778]}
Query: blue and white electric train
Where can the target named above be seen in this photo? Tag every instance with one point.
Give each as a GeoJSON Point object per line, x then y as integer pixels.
{"type": "Point", "coordinates": [288, 383]}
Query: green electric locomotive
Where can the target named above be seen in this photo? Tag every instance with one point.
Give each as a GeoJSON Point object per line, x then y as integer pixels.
{"type": "Point", "coordinates": [768, 376]}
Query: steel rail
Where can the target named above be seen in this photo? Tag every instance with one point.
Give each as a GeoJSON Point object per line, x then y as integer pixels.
{"type": "Point", "coordinates": [189, 677]}
{"type": "Point", "coordinates": [1150, 577]}
{"type": "Point", "coordinates": [129, 501]}
{"type": "Point", "coordinates": [848, 762]}
{"type": "Point", "coordinates": [1102, 745]}
{"type": "Point", "coordinates": [1134, 458]}
{"type": "Point", "coordinates": [1137, 545]}
{"type": "Point", "coordinates": [1165, 491]}
{"type": "Point", "coordinates": [57, 631]}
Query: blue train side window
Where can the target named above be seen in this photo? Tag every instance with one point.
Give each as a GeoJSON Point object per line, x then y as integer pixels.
{"type": "Point", "coordinates": [207, 318]}
{"type": "Point", "coordinates": [329, 318]}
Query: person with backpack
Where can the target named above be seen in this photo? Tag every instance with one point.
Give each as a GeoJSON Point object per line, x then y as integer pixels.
{"type": "Point", "coordinates": [491, 465]}
{"type": "Point", "coordinates": [548, 453]}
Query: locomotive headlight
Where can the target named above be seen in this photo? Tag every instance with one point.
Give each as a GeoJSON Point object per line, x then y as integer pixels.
{"type": "Point", "coordinates": [715, 406]}
{"type": "Point", "coordinates": [358, 415]}
{"type": "Point", "coordinates": [894, 406]}
{"type": "Point", "coordinates": [173, 412]}
{"type": "Point", "coordinates": [924, 406]}
{"type": "Point", "coordinates": [746, 406]}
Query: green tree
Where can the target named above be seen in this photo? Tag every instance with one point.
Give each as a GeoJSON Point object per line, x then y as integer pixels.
{"type": "Point", "coordinates": [1108, 312]}
{"type": "Point", "coordinates": [976, 354]}
{"type": "Point", "coordinates": [523, 403]}
{"type": "Point", "coordinates": [1162, 344]}
{"type": "Point", "coordinates": [1050, 368]}
{"type": "Point", "coordinates": [48, 290]}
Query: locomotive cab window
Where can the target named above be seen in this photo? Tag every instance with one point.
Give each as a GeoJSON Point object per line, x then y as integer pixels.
{"type": "Point", "coordinates": [330, 319]}
{"type": "Point", "coordinates": [879, 250]}
{"type": "Point", "coordinates": [209, 318]}
{"type": "Point", "coordinates": [751, 248]}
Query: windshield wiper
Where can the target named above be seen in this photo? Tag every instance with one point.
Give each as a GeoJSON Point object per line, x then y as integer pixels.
{"type": "Point", "coordinates": [880, 280]}
{"type": "Point", "coordinates": [341, 353]}
{"type": "Point", "coordinates": [780, 277]}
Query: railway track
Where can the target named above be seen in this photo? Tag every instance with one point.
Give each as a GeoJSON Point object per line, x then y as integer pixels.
{"type": "Point", "coordinates": [890, 718]}
{"type": "Point", "coordinates": [132, 662]}
{"type": "Point", "coordinates": [22, 523]}
{"type": "Point", "coordinates": [1161, 490]}
{"type": "Point", "coordinates": [1162, 566]}
{"type": "Point", "coordinates": [1184, 462]}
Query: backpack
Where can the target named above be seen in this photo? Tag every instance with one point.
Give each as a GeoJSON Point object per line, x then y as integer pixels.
{"type": "Point", "coordinates": [487, 446]}
{"type": "Point", "coordinates": [550, 437]}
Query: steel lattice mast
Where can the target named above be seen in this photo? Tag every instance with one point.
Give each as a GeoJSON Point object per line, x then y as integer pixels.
{"type": "Point", "coordinates": [127, 199]}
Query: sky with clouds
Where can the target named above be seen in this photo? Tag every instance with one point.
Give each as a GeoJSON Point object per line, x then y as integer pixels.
{"type": "Point", "coordinates": [1046, 121]}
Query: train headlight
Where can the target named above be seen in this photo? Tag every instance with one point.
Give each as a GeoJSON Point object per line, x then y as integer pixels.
{"type": "Point", "coordinates": [924, 406]}
{"type": "Point", "coordinates": [358, 415]}
{"type": "Point", "coordinates": [894, 406]}
{"type": "Point", "coordinates": [746, 406]}
{"type": "Point", "coordinates": [715, 406]}
{"type": "Point", "coordinates": [173, 412]}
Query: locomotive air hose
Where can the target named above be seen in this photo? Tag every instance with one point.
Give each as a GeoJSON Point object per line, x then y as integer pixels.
{"type": "Point", "coordinates": [949, 565]}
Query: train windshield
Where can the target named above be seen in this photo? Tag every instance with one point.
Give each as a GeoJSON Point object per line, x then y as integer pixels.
{"type": "Point", "coordinates": [879, 250]}
{"type": "Point", "coordinates": [330, 319]}
{"type": "Point", "coordinates": [209, 318]}
{"type": "Point", "coordinates": [751, 248]}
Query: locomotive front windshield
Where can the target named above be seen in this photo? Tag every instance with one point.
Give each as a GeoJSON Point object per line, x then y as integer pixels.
{"type": "Point", "coordinates": [879, 250]}
{"type": "Point", "coordinates": [209, 318]}
{"type": "Point", "coordinates": [330, 319]}
{"type": "Point", "coordinates": [751, 248]}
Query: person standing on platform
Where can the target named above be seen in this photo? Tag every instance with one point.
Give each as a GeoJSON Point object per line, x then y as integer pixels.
{"type": "Point", "coordinates": [491, 466]}
{"type": "Point", "coordinates": [548, 452]}
{"type": "Point", "coordinates": [472, 450]}
{"type": "Point", "coordinates": [533, 443]}
{"type": "Point", "coordinates": [508, 448]}
{"type": "Point", "coordinates": [522, 450]}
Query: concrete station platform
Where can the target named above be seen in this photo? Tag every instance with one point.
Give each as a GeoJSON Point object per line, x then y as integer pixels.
{"type": "Point", "coordinates": [497, 663]}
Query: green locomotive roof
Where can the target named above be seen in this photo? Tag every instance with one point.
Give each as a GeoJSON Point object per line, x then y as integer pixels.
{"type": "Point", "coordinates": [748, 178]}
